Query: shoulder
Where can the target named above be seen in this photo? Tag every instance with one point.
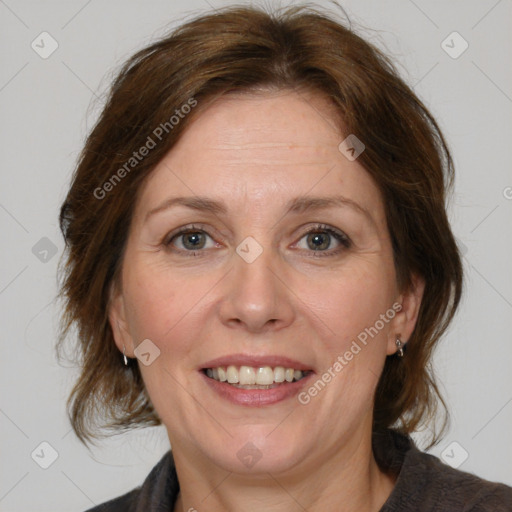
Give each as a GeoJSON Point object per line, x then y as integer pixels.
{"type": "Point", "coordinates": [158, 492]}
{"type": "Point", "coordinates": [425, 483]}
{"type": "Point", "coordinates": [126, 503]}
{"type": "Point", "coordinates": [453, 489]}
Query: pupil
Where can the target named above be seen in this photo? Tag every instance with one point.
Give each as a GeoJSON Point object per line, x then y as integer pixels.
{"type": "Point", "coordinates": [317, 241]}
{"type": "Point", "coordinates": [195, 239]}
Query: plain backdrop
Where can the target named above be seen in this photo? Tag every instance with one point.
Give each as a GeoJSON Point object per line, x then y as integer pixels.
{"type": "Point", "coordinates": [47, 109]}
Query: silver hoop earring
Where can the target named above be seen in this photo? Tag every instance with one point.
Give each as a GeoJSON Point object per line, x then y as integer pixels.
{"type": "Point", "coordinates": [399, 349]}
{"type": "Point", "coordinates": [124, 356]}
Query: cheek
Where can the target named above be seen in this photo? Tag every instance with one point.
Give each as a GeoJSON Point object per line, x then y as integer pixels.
{"type": "Point", "coordinates": [165, 306]}
{"type": "Point", "coordinates": [347, 316]}
{"type": "Point", "coordinates": [349, 303]}
{"type": "Point", "coordinates": [152, 307]}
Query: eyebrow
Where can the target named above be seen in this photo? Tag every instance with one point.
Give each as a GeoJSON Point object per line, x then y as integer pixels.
{"type": "Point", "coordinates": [296, 205]}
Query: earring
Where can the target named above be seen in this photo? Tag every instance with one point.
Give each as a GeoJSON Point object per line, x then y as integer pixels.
{"type": "Point", "coordinates": [124, 356]}
{"type": "Point", "coordinates": [399, 349]}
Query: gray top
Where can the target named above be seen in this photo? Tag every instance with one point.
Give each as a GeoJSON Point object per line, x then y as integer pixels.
{"type": "Point", "coordinates": [423, 484]}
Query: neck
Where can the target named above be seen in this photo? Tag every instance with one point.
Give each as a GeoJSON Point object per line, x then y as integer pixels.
{"type": "Point", "coordinates": [348, 480]}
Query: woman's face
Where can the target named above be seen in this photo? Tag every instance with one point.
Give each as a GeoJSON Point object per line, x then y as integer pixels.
{"type": "Point", "coordinates": [285, 263]}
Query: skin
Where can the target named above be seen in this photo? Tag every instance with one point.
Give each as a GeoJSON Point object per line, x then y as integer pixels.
{"type": "Point", "coordinates": [255, 153]}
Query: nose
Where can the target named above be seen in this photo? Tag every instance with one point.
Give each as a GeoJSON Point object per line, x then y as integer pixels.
{"type": "Point", "coordinates": [256, 295]}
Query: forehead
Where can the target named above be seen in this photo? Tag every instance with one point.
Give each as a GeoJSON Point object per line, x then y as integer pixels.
{"type": "Point", "coordinates": [269, 118]}
{"type": "Point", "coordinates": [261, 149]}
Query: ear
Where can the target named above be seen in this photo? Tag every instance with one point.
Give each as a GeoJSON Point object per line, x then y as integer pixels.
{"type": "Point", "coordinates": [405, 319]}
{"type": "Point", "coordinates": [117, 318]}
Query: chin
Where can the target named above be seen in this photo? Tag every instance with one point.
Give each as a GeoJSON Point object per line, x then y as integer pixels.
{"type": "Point", "coordinates": [260, 450]}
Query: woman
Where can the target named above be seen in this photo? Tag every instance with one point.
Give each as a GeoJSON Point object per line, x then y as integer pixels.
{"type": "Point", "coordinates": [259, 259]}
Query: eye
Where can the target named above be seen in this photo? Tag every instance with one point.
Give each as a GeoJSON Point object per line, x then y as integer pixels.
{"type": "Point", "coordinates": [321, 238]}
{"type": "Point", "coordinates": [188, 240]}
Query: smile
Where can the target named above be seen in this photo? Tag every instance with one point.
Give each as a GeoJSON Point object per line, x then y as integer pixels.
{"type": "Point", "coordinates": [249, 377]}
{"type": "Point", "coordinates": [256, 380]}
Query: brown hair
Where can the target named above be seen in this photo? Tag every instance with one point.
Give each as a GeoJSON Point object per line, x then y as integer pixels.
{"type": "Point", "coordinates": [238, 49]}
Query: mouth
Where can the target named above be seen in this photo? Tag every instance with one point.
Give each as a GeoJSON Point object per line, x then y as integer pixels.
{"type": "Point", "coordinates": [250, 377]}
{"type": "Point", "coordinates": [255, 381]}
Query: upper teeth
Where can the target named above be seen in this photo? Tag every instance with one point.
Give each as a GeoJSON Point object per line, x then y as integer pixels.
{"type": "Point", "coordinates": [247, 375]}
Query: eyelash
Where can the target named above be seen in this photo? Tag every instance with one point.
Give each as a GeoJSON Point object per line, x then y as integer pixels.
{"type": "Point", "coordinates": [343, 239]}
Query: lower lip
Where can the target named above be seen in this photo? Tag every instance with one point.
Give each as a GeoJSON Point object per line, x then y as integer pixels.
{"type": "Point", "coordinates": [256, 397]}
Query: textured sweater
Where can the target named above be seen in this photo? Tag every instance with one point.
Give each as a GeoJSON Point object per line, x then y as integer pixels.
{"type": "Point", "coordinates": [423, 484]}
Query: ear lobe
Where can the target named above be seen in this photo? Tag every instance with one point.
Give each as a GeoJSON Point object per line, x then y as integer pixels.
{"type": "Point", "coordinates": [119, 325]}
{"type": "Point", "coordinates": [402, 325]}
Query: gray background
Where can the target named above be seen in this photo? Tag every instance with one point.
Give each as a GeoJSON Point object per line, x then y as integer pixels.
{"type": "Point", "coordinates": [46, 111]}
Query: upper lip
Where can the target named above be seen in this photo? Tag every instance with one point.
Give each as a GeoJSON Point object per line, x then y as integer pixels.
{"type": "Point", "coordinates": [256, 361]}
